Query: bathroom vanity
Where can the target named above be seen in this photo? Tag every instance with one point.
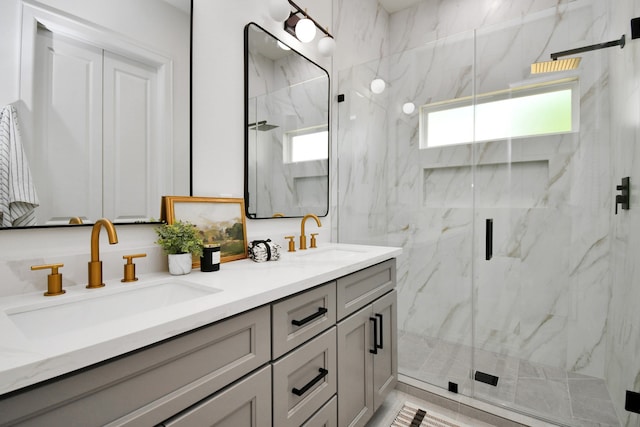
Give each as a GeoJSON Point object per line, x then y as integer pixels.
{"type": "Point", "coordinates": [307, 340]}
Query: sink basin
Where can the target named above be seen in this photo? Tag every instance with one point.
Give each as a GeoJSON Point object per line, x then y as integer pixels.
{"type": "Point", "coordinates": [60, 316]}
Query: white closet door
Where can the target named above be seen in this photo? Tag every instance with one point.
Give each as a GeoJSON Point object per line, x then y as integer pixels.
{"type": "Point", "coordinates": [131, 154]}
{"type": "Point", "coordinates": [67, 160]}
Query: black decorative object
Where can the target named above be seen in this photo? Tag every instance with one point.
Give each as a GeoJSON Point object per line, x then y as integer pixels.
{"type": "Point", "coordinates": [453, 387]}
{"type": "Point", "coordinates": [210, 259]}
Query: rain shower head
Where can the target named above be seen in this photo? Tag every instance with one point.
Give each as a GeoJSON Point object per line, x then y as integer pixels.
{"type": "Point", "coordinates": [571, 63]}
{"type": "Point", "coordinates": [261, 126]}
{"type": "Point", "coordinates": [555, 65]}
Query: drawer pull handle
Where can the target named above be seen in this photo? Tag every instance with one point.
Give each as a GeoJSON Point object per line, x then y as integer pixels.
{"type": "Point", "coordinates": [375, 335]}
{"type": "Point", "coordinates": [380, 345]}
{"type": "Point", "coordinates": [320, 312]}
{"type": "Point", "coordinates": [299, 392]}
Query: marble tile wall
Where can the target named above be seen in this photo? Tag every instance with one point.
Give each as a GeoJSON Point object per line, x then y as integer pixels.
{"type": "Point", "coordinates": [557, 290]}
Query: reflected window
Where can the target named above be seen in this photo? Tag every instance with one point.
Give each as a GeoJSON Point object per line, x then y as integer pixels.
{"type": "Point", "coordinates": [306, 145]}
{"type": "Point", "coordinates": [541, 109]}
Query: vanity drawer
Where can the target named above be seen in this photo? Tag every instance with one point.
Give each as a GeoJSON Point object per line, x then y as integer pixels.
{"type": "Point", "coordinates": [297, 319]}
{"type": "Point", "coordinates": [363, 287]}
{"type": "Point", "coordinates": [304, 380]}
{"type": "Point", "coordinates": [244, 404]}
{"type": "Point", "coordinates": [325, 417]}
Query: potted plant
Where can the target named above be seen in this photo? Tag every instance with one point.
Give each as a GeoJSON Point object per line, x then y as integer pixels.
{"type": "Point", "coordinates": [180, 241]}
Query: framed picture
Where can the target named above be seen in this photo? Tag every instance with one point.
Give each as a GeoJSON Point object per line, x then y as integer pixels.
{"type": "Point", "coordinates": [219, 221]}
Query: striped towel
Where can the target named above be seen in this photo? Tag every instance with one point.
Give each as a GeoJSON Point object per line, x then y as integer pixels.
{"type": "Point", "coordinates": [18, 197]}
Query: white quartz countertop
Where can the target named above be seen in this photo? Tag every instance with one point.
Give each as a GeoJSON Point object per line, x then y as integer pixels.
{"type": "Point", "coordinates": [242, 285]}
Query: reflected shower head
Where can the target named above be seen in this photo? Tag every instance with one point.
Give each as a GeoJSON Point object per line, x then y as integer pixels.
{"type": "Point", "coordinates": [555, 65]}
{"type": "Point", "coordinates": [261, 126]}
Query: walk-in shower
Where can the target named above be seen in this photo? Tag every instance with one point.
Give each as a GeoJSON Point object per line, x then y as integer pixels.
{"type": "Point", "coordinates": [491, 144]}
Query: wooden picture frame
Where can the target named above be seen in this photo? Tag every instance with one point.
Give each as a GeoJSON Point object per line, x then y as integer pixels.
{"type": "Point", "coordinates": [219, 221]}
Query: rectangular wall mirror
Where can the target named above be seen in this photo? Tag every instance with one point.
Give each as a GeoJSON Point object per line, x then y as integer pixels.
{"type": "Point", "coordinates": [286, 130]}
{"type": "Point", "coordinates": [104, 106]}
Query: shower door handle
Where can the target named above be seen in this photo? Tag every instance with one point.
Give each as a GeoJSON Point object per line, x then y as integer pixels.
{"type": "Point", "coordinates": [488, 250]}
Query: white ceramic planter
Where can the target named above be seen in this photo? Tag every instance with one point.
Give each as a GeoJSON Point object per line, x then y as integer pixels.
{"type": "Point", "coordinates": [179, 264]}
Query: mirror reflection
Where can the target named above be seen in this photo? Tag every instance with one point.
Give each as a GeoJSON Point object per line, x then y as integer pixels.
{"type": "Point", "coordinates": [103, 109]}
{"type": "Point", "coordinates": [287, 130]}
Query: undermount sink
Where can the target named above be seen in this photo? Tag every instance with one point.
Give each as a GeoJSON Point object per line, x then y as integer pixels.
{"type": "Point", "coordinates": [55, 317]}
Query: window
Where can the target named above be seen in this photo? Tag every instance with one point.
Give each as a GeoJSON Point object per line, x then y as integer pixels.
{"type": "Point", "coordinates": [542, 109]}
{"type": "Point", "coordinates": [306, 145]}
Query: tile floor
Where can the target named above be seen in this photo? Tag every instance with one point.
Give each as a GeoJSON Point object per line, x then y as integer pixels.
{"type": "Point", "coordinates": [558, 396]}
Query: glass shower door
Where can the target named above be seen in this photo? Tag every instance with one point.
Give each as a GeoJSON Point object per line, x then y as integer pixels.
{"type": "Point", "coordinates": [541, 279]}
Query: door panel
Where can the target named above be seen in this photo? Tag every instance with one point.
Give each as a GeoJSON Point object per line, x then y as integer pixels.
{"type": "Point", "coordinates": [67, 156]}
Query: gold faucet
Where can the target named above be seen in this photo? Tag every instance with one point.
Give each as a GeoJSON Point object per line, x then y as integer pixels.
{"type": "Point", "coordinates": [95, 265]}
{"type": "Point", "coordinates": [303, 237]}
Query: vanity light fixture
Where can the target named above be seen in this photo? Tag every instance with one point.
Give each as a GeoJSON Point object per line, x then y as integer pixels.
{"type": "Point", "coordinates": [305, 29]}
{"type": "Point", "coordinates": [327, 45]}
{"type": "Point", "coordinates": [301, 25]}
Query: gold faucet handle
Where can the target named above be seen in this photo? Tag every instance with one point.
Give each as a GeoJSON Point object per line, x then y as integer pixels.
{"type": "Point", "coordinates": [130, 267]}
{"type": "Point", "coordinates": [313, 240]}
{"type": "Point", "coordinates": [54, 280]}
{"type": "Point", "coordinates": [292, 244]}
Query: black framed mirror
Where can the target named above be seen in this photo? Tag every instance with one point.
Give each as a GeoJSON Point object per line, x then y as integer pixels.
{"type": "Point", "coordinates": [286, 129]}
{"type": "Point", "coordinates": [103, 107]}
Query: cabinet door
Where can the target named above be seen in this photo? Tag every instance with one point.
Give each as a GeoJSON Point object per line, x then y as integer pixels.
{"type": "Point", "coordinates": [385, 361]}
{"type": "Point", "coordinates": [355, 388]}
{"type": "Point", "coordinates": [244, 404]}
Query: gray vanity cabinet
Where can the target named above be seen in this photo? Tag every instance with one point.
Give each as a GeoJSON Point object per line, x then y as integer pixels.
{"type": "Point", "coordinates": [305, 360]}
{"type": "Point", "coordinates": [367, 344]}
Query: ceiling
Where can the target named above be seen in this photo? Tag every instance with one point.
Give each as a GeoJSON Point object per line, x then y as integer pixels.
{"type": "Point", "coordinates": [392, 6]}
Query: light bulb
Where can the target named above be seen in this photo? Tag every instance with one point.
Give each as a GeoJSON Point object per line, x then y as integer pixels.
{"type": "Point", "coordinates": [326, 46]}
{"type": "Point", "coordinates": [377, 86]}
{"type": "Point", "coordinates": [408, 107]}
{"type": "Point", "coordinates": [279, 10]}
{"type": "Point", "coordinates": [305, 30]}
